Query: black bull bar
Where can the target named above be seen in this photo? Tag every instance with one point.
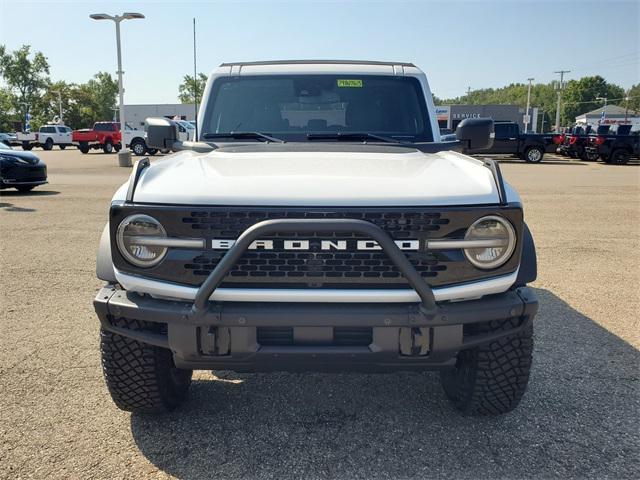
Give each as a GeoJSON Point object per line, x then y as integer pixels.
{"type": "Point", "coordinates": [270, 227]}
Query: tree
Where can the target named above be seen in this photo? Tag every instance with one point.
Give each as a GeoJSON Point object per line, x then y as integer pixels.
{"type": "Point", "coordinates": [7, 115]}
{"type": "Point", "coordinates": [25, 75]}
{"type": "Point", "coordinates": [581, 96]}
{"type": "Point", "coordinates": [190, 90]}
{"type": "Point", "coordinates": [634, 98]}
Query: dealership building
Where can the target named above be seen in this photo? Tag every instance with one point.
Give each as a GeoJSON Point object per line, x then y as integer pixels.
{"type": "Point", "coordinates": [613, 114]}
{"type": "Point", "coordinates": [449, 116]}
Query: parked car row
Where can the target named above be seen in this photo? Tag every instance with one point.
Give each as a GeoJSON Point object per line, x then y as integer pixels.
{"type": "Point", "coordinates": [615, 144]}
{"type": "Point", "coordinates": [105, 136]}
{"type": "Point", "coordinates": [620, 144]}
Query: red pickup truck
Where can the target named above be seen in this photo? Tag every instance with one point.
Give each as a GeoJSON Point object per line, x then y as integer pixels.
{"type": "Point", "coordinates": [103, 135]}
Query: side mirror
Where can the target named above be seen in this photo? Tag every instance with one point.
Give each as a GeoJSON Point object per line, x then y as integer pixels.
{"type": "Point", "coordinates": [162, 133]}
{"type": "Point", "coordinates": [475, 134]}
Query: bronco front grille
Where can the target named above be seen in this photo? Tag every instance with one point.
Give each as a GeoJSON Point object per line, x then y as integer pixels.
{"type": "Point", "coordinates": [397, 223]}
{"type": "Point", "coordinates": [314, 267]}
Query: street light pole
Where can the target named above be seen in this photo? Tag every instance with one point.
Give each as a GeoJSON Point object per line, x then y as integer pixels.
{"type": "Point", "coordinates": [526, 117]}
{"type": "Point", "coordinates": [124, 155]}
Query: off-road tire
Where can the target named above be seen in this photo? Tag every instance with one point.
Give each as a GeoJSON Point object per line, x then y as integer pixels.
{"type": "Point", "coordinates": [534, 154]}
{"type": "Point", "coordinates": [619, 156]}
{"type": "Point", "coordinates": [491, 379]}
{"type": "Point", "coordinates": [107, 147]}
{"type": "Point", "coordinates": [141, 378]}
{"type": "Point", "coordinates": [84, 147]}
{"type": "Point", "coordinates": [48, 144]}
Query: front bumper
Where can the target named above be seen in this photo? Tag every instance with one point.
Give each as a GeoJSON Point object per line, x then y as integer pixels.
{"type": "Point", "coordinates": [226, 335]}
{"type": "Point", "coordinates": [264, 336]}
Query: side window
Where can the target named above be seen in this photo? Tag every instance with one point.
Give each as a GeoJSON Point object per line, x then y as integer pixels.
{"type": "Point", "coordinates": [501, 131]}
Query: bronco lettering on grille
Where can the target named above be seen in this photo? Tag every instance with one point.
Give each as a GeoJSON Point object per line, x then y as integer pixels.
{"type": "Point", "coordinates": [315, 245]}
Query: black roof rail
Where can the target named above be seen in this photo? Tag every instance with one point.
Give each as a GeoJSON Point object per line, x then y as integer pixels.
{"type": "Point", "coordinates": [318, 62]}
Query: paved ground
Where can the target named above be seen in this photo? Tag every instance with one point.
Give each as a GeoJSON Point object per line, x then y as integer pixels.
{"type": "Point", "coordinates": [579, 418]}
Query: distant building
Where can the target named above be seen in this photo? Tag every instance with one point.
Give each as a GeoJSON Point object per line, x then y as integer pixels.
{"type": "Point", "coordinates": [449, 116]}
{"type": "Point", "coordinates": [135, 115]}
{"type": "Point", "coordinates": [613, 114]}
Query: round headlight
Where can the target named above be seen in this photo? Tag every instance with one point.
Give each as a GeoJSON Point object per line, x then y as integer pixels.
{"type": "Point", "coordinates": [495, 239]}
{"type": "Point", "coordinates": [137, 240]}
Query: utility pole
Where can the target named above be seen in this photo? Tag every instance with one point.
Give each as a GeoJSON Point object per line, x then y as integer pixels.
{"type": "Point", "coordinates": [526, 115]}
{"type": "Point", "coordinates": [468, 93]}
{"type": "Point", "coordinates": [559, 89]}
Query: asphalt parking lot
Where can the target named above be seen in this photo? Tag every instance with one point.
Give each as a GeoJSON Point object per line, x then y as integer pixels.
{"type": "Point", "coordinates": [579, 418]}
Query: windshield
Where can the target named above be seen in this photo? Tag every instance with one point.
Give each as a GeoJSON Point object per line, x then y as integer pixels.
{"type": "Point", "coordinates": [292, 106]}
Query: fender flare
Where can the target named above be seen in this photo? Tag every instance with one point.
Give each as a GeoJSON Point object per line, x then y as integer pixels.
{"type": "Point", "coordinates": [528, 271]}
{"type": "Point", "coordinates": [104, 264]}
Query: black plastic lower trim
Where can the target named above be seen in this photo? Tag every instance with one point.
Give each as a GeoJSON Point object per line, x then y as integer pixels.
{"type": "Point", "coordinates": [239, 323]}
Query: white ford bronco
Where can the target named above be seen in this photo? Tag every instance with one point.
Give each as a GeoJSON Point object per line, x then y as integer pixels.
{"type": "Point", "coordinates": [317, 223]}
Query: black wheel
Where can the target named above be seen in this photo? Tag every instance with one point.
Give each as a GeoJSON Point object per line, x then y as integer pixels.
{"type": "Point", "coordinates": [117, 147]}
{"type": "Point", "coordinates": [604, 158]}
{"type": "Point", "coordinates": [48, 144]}
{"type": "Point", "coordinates": [62, 147]}
{"type": "Point", "coordinates": [152, 151]}
{"type": "Point", "coordinates": [534, 154]}
{"type": "Point", "coordinates": [138, 147]}
{"type": "Point", "coordinates": [141, 378]}
{"type": "Point", "coordinates": [619, 157]}
{"type": "Point", "coordinates": [164, 151]}
{"type": "Point", "coordinates": [83, 147]}
{"type": "Point", "coordinates": [26, 146]}
{"type": "Point", "coordinates": [25, 188]}
{"type": "Point", "coordinates": [491, 379]}
{"type": "Point", "coordinates": [107, 147]}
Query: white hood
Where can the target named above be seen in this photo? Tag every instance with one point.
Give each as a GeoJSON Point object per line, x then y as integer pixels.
{"type": "Point", "coordinates": [379, 177]}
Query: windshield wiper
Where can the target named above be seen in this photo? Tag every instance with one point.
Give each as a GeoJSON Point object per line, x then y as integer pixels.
{"type": "Point", "coordinates": [353, 136]}
{"type": "Point", "coordinates": [240, 135]}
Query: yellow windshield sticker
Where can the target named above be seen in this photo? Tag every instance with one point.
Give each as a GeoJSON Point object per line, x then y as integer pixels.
{"type": "Point", "coordinates": [350, 83]}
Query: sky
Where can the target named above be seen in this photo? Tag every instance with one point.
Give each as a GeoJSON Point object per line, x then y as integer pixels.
{"type": "Point", "coordinates": [476, 44]}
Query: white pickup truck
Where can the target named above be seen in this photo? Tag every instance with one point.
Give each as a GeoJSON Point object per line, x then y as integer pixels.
{"type": "Point", "coordinates": [47, 137]}
{"type": "Point", "coordinates": [318, 223]}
